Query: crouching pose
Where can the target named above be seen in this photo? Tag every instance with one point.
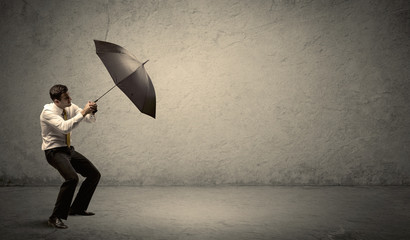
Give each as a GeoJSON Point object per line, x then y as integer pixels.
{"type": "Point", "coordinates": [57, 121]}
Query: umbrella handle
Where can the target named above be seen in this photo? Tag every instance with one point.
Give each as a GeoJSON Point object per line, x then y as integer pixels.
{"type": "Point", "coordinates": [95, 110]}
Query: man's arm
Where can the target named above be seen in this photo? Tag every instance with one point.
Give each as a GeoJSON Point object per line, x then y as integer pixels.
{"type": "Point", "coordinates": [56, 121]}
{"type": "Point", "coordinates": [87, 112]}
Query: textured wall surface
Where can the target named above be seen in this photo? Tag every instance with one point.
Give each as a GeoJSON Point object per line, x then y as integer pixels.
{"type": "Point", "coordinates": [248, 91]}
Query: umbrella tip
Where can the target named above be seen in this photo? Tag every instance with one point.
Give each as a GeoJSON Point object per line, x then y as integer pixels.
{"type": "Point", "coordinates": [145, 62]}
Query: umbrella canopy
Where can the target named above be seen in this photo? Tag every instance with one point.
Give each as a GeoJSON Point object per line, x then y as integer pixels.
{"type": "Point", "coordinates": [129, 75]}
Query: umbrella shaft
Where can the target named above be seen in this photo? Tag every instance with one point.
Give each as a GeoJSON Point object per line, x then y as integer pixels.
{"type": "Point", "coordinates": [105, 93]}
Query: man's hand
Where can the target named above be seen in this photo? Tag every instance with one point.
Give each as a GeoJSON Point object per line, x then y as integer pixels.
{"type": "Point", "coordinates": [93, 107]}
{"type": "Point", "coordinates": [90, 107]}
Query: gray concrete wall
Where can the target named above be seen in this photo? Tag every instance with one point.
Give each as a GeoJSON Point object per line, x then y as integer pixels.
{"type": "Point", "coordinates": [248, 92]}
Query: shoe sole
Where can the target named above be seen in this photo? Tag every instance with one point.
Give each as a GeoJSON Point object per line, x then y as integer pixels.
{"type": "Point", "coordinates": [78, 214]}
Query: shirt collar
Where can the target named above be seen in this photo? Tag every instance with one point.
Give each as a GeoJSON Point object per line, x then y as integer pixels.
{"type": "Point", "coordinates": [57, 109]}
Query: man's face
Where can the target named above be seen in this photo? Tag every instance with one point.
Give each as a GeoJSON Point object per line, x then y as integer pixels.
{"type": "Point", "coordinates": [64, 102]}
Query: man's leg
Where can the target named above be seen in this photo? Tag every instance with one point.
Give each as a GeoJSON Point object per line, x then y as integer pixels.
{"type": "Point", "coordinates": [92, 176]}
{"type": "Point", "coordinates": [60, 160]}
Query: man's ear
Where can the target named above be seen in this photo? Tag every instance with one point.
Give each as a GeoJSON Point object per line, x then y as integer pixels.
{"type": "Point", "coordinates": [56, 101]}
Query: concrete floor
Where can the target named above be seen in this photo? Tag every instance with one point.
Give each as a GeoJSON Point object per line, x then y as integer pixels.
{"type": "Point", "coordinates": [214, 213]}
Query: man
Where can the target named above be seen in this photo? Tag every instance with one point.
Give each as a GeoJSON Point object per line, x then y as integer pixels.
{"type": "Point", "coordinates": [57, 121]}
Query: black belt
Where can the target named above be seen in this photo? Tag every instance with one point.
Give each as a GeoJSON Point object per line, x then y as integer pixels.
{"type": "Point", "coordinates": [66, 148]}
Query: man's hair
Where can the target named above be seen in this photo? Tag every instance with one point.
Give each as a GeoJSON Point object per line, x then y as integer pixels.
{"type": "Point", "coordinates": [56, 91]}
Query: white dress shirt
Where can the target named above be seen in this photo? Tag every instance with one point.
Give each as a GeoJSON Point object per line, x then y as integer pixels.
{"type": "Point", "coordinates": [53, 126]}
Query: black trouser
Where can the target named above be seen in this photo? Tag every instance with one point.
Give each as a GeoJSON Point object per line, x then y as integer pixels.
{"type": "Point", "coordinates": [69, 162]}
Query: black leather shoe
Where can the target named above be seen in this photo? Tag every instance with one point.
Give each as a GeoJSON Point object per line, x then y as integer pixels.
{"type": "Point", "coordinates": [56, 222]}
{"type": "Point", "coordinates": [81, 213]}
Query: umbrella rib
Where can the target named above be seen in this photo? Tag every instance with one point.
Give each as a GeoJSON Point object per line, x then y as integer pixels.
{"type": "Point", "coordinates": [116, 84]}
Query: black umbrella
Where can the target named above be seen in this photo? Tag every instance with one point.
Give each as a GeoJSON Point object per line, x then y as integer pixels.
{"type": "Point", "coordinates": [129, 75]}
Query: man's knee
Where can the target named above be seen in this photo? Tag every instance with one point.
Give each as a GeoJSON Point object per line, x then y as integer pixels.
{"type": "Point", "coordinates": [73, 180]}
{"type": "Point", "coordinates": [96, 176]}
